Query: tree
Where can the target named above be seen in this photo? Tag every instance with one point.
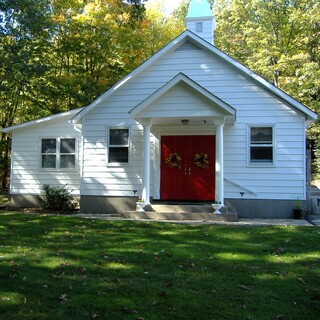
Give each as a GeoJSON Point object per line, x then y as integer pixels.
{"type": "Point", "coordinates": [24, 30]}
{"type": "Point", "coordinates": [278, 39]}
{"type": "Point", "coordinates": [159, 28]}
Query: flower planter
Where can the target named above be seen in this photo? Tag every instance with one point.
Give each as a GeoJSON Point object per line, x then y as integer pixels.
{"type": "Point", "coordinates": [140, 206]}
{"type": "Point", "coordinates": [297, 214]}
{"type": "Point", "coordinates": [216, 207]}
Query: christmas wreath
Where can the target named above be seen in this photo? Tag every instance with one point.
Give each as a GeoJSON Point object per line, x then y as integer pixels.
{"type": "Point", "coordinates": [173, 160]}
{"type": "Point", "coordinates": [201, 160]}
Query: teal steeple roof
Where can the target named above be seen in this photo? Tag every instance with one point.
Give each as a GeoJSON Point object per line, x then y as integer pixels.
{"type": "Point", "coordinates": [199, 8]}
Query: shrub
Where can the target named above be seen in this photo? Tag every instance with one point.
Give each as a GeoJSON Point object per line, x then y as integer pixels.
{"type": "Point", "coordinates": [57, 198]}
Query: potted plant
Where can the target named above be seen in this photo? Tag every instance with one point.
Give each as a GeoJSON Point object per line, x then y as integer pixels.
{"type": "Point", "coordinates": [140, 205]}
{"type": "Point", "coordinates": [216, 207]}
{"type": "Point", "coordinates": [297, 211]}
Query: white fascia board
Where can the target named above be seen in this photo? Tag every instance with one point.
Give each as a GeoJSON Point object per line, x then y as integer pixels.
{"type": "Point", "coordinates": [181, 77]}
{"type": "Point", "coordinates": [41, 120]}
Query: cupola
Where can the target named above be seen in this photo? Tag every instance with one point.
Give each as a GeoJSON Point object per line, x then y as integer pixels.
{"type": "Point", "coordinates": [200, 20]}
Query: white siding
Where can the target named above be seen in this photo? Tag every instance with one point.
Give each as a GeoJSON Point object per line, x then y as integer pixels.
{"type": "Point", "coordinates": [254, 105]}
{"type": "Point", "coordinates": [27, 177]}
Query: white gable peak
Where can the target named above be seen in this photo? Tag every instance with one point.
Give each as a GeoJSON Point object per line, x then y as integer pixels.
{"type": "Point", "coordinates": [200, 20]}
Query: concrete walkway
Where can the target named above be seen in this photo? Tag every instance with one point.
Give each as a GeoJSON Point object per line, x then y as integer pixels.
{"type": "Point", "coordinates": [241, 222]}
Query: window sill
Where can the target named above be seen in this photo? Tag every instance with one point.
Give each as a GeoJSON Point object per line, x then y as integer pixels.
{"type": "Point", "coordinates": [58, 169]}
{"type": "Point", "coordinates": [118, 165]}
{"type": "Point", "coordinates": [261, 165]}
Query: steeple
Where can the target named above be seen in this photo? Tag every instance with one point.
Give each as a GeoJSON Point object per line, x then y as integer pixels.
{"type": "Point", "coordinates": [200, 20]}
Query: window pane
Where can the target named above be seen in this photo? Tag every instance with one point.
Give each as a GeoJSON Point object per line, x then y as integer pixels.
{"type": "Point", "coordinates": [48, 161]}
{"type": "Point", "coordinates": [261, 154]}
{"type": "Point", "coordinates": [262, 135]}
{"type": "Point", "coordinates": [119, 155]}
{"type": "Point", "coordinates": [48, 146]}
{"type": "Point", "coordinates": [119, 137]}
{"type": "Point", "coordinates": [67, 161]}
{"type": "Point", "coordinates": [67, 146]}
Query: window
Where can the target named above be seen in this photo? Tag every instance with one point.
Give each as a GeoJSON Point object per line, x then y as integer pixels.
{"type": "Point", "coordinates": [199, 26]}
{"type": "Point", "coordinates": [58, 153]}
{"type": "Point", "coordinates": [118, 145]}
{"type": "Point", "coordinates": [261, 145]}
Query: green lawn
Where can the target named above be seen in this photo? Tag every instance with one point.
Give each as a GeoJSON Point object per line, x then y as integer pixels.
{"type": "Point", "coordinates": [58, 267]}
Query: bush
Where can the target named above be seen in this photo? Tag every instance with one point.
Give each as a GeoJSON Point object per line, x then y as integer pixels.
{"type": "Point", "coordinates": [57, 198]}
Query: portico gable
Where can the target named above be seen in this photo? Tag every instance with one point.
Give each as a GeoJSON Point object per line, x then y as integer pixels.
{"type": "Point", "coordinates": [179, 98]}
{"type": "Point", "coordinates": [183, 100]}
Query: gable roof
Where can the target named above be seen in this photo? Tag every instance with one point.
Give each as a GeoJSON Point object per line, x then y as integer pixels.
{"type": "Point", "coordinates": [177, 42]}
{"type": "Point", "coordinates": [41, 120]}
{"type": "Point", "coordinates": [181, 78]}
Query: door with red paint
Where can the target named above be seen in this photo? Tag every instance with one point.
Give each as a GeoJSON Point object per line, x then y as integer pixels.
{"type": "Point", "coordinates": [187, 168]}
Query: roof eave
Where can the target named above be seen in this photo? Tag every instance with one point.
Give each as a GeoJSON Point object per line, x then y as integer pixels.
{"type": "Point", "coordinates": [40, 120]}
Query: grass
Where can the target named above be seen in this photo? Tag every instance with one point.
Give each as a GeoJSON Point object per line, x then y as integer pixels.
{"type": "Point", "coordinates": [58, 267]}
{"type": "Point", "coordinates": [3, 199]}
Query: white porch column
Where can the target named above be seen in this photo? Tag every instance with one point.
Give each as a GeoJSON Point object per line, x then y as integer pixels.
{"type": "Point", "coordinates": [219, 161]}
{"type": "Point", "coordinates": [146, 161]}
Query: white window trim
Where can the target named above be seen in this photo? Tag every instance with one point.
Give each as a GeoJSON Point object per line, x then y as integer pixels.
{"type": "Point", "coordinates": [118, 164]}
{"type": "Point", "coordinates": [58, 154]}
{"type": "Point", "coordinates": [261, 164]}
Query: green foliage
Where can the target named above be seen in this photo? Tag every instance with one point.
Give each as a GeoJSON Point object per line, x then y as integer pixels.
{"type": "Point", "coordinates": [57, 198]}
{"type": "Point", "coordinates": [3, 199]}
{"type": "Point", "coordinates": [70, 268]}
{"type": "Point", "coordinates": [277, 39]}
{"type": "Point", "coordinates": [159, 28]}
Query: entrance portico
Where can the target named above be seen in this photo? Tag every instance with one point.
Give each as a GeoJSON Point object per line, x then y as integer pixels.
{"type": "Point", "coordinates": [199, 114]}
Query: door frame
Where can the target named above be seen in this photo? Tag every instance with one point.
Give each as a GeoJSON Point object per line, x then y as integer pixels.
{"type": "Point", "coordinates": [160, 131]}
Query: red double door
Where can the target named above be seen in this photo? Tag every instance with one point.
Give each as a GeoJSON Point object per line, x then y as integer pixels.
{"type": "Point", "coordinates": [187, 168]}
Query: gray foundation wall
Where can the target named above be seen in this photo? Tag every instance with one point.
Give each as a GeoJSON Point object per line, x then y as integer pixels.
{"type": "Point", "coordinates": [88, 204]}
{"type": "Point", "coordinates": [25, 201]}
{"type": "Point", "coordinates": [101, 204]}
{"type": "Point", "coordinates": [260, 208]}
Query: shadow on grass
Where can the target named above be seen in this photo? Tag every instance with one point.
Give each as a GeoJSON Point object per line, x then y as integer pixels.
{"type": "Point", "coordinates": [57, 267]}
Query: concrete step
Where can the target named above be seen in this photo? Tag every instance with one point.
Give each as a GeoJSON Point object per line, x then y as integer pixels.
{"type": "Point", "coordinates": [314, 192]}
{"type": "Point", "coordinates": [314, 201]}
{"type": "Point", "coordinates": [181, 208]}
{"type": "Point", "coordinates": [192, 216]}
{"type": "Point", "coordinates": [196, 212]}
